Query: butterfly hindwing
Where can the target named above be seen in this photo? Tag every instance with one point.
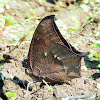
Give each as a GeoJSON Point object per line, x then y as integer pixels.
{"type": "Point", "coordinates": [59, 64]}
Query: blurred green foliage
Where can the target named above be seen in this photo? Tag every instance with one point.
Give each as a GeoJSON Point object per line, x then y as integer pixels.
{"type": "Point", "coordinates": [91, 77]}
{"type": "Point", "coordinates": [9, 20]}
{"type": "Point", "coordinates": [97, 55]}
{"type": "Point", "coordinates": [11, 95]}
{"type": "Point", "coordinates": [2, 76]}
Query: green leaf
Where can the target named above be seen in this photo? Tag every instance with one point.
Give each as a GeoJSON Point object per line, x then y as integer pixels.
{"type": "Point", "coordinates": [33, 10]}
{"type": "Point", "coordinates": [91, 77]}
{"type": "Point", "coordinates": [91, 59]}
{"type": "Point", "coordinates": [98, 44]}
{"type": "Point", "coordinates": [8, 94]}
{"type": "Point", "coordinates": [95, 54]}
{"type": "Point", "coordinates": [11, 95]}
{"type": "Point", "coordinates": [2, 64]}
{"type": "Point", "coordinates": [98, 66]}
{"type": "Point", "coordinates": [2, 76]}
{"type": "Point", "coordinates": [27, 4]}
{"type": "Point", "coordinates": [12, 98]}
{"type": "Point", "coordinates": [49, 88]}
{"type": "Point", "coordinates": [2, 61]}
{"type": "Point", "coordinates": [9, 20]}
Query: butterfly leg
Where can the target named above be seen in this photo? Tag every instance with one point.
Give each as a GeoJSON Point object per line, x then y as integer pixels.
{"type": "Point", "coordinates": [45, 82]}
{"type": "Point", "coordinates": [49, 88]}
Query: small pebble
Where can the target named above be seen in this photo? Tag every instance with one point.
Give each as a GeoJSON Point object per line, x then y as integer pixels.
{"type": "Point", "coordinates": [30, 88]}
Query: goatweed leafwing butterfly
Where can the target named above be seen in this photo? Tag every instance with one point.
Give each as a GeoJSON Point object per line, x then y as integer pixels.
{"type": "Point", "coordinates": [50, 56]}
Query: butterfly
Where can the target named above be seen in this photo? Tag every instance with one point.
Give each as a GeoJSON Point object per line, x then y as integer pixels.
{"type": "Point", "coordinates": [51, 57]}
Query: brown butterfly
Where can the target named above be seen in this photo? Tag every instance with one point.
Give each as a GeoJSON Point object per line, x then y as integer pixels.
{"type": "Point", "coordinates": [51, 57]}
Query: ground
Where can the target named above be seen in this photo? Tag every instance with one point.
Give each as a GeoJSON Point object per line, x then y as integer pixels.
{"type": "Point", "coordinates": [79, 23]}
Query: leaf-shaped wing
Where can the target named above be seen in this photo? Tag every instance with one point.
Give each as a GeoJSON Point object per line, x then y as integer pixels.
{"type": "Point", "coordinates": [50, 56]}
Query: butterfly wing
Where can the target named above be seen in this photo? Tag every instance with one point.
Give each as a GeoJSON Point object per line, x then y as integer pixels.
{"type": "Point", "coordinates": [42, 37]}
{"type": "Point", "coordinates": [50, 56]}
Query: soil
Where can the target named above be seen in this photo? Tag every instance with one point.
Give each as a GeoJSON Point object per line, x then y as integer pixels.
{"type": "Point", "coordinates": [28, 14]}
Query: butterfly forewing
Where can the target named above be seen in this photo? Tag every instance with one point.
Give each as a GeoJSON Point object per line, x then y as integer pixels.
{"type": "Point", "coordinates": [42, 37]}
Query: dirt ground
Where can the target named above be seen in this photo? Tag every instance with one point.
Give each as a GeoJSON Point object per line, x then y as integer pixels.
{"type": "Point", "coordinates": [78, 26]}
